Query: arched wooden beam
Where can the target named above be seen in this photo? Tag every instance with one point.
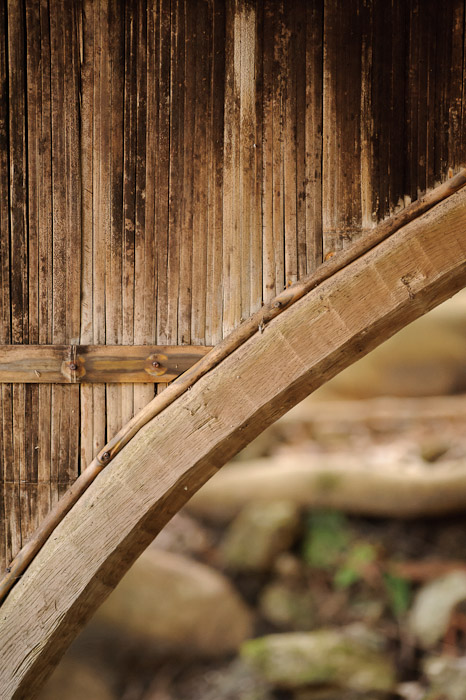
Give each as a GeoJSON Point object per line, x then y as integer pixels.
{"type": "Point", "coordinates": [236, 338]}
{"type": "Point", "coordinates": [342, 319]}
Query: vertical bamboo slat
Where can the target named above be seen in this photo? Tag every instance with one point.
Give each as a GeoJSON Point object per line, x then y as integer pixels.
{"type": "Point", "coordinates": [313, 129]}
{"type": "Point", "coordinates": [45, 245]}
{"type": "Point", "coordinates": [268, 249]}
{"type": "Point", "coordinates": [167, 147]}
{"type": "Point", "coordinates": [5, 315]}
{"type": "Point", "coordinates": [277, 231]}
{"type": "Point", "coordinates": [169, 329]}
{"type": "Point", "coordinates": [302, 156]}
{"type": "Point", "coordinates": [145, 270]}
{"type": "Point", "coordinates": [384, 60]}
{"type": "Point", "coordinates": [248, 206]}
{"type": "Point", "coordinates": [35, 489]}
{"type": "Point", "coordinates": [202, 62]}
{"type": "Point", "coordinates": [214, 293]}
{"type": "Point", "coordinates": [15, 425]}
{"type": "Point", "coordinates": [12, 517]}
{"type": "Point", "coordinates": [66, 203]}
{"type": "Point", "coordinates": [120, 246]}
{"type": "Point", "coordinates": [289, 119]}
{"type": "Point", "coordinates": [230, 118]}
{"type": "Point", "coordinates": [185, 176]}
{"type": "Point", "coordinates": [5, 320]}
{"type": "Point", "coordinates": [171, 118]}
{"type": "Point", "coordinates": [242, 216]}
{"type": "Point", "coordinates": [89, 413]}
{"type": "Point", "coordinates": [116, 197]}
{"type": "Point", "coordinates": [165, 84]}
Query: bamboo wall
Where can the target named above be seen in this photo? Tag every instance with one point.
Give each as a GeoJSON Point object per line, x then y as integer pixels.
{"type": "Point", "coordinates": [167, 165]}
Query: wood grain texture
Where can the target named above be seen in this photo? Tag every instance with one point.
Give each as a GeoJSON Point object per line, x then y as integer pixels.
{"type": "Point", "coordinates": [392, 124]}
{"type": "Point", "coordinates": [168, 167]}
{"type": "Point", "coordinates": [340, 320]}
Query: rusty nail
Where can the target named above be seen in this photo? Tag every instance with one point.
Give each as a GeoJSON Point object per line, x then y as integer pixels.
{"type": "Point", "coordinates": [105, 456]}
{"type": "Point", "coordinates": [155, 364]}
{"type": "Point", "coordinates": [73, 366]}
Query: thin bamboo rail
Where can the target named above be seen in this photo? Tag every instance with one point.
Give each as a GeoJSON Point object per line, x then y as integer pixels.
{"type": "Point", "coordinates": [237, 337]}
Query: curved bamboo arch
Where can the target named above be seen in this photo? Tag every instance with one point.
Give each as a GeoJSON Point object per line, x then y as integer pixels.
{"type": "Point", "coordinates": [358, 303]}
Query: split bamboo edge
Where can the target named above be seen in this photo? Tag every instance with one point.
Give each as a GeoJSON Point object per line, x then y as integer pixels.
{"type": "Point", "coordinates": [237, 337]}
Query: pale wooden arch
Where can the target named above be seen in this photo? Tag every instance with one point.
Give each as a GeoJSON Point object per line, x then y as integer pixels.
{"type": "Point", "coordinates": [334, 324]}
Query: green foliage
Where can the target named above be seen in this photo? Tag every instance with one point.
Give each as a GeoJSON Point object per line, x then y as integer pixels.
{"type": "Point", "coordinates": [398, 592]}
{"type": "Point", "coordinates": [326, 539]}
{"type": "Point", "coordinates": [352, 569]}
{"type": "Point", "coordinates": [328, 546]}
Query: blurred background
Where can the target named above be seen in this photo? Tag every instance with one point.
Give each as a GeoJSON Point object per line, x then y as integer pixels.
{"type": "Point", "coordinates": [327, 562]}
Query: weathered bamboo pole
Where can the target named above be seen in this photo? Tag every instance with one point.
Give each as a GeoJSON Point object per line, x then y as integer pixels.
{"type": "Point", "coordinates": [256, 323]}
{"type": "Point", "coordinates": [170, 457]}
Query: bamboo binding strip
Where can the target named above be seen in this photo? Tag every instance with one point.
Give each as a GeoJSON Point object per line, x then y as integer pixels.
{"type": "Point", "coordinates": [77, 364]}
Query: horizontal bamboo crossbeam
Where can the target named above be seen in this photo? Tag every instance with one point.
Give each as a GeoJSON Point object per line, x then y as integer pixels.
{"type": "Point", "coordinates": [74, 364]}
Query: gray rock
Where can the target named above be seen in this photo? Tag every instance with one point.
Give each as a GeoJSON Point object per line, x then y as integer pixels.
{"type": "Point", "coordinates": [323, 657]}
{"type": "Point", "coordinates": [288, 606]}
{"type": "Point", "coordinates": [177, 605]}
{"type": "Point", "coordinates": [259, 533]}
{"type": "Point", "coordinates": [411, 690]}
{"type": "Point", "coordinates": [432, 607]}
{"type": "Point", "coordinates": [366, 636]}
{"type": "Point", "coordinates": [447, 676]}
{"type": "Point", "coordinates": [235, 681]}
